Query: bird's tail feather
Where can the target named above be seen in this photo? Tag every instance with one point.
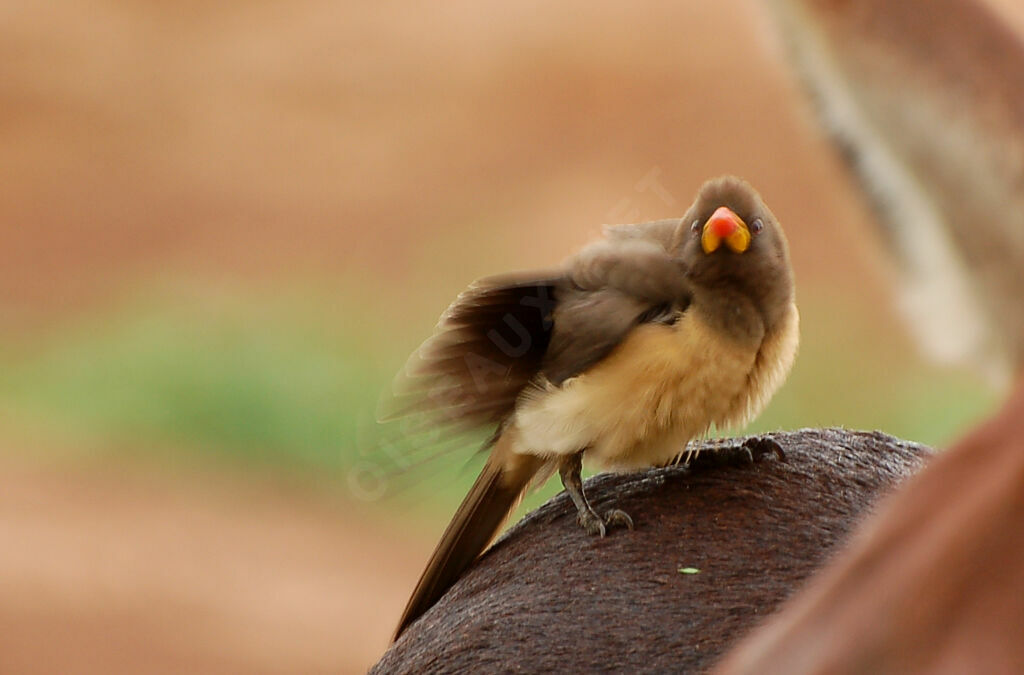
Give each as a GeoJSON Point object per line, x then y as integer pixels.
{"type": "Point", "coordinates": [493, 496]}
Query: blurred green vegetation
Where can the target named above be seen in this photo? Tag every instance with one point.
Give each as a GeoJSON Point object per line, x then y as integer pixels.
{"type": "Point", "coordinates": [265, 381]}
{"type": "Point", "coordinates": [292, 382]}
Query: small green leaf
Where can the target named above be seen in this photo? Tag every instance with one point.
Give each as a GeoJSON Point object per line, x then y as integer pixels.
{"type": "Point", "coordinates": [689, 570]}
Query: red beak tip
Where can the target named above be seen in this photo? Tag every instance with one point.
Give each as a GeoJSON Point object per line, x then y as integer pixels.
{"type": "Point", "coordinates": [722, 226]}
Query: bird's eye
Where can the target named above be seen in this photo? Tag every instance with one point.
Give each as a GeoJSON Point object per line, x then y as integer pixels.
{"type": "Point", "coordinates": [757, 225]}
{"type": "Point", "coordinates": [695, 228]}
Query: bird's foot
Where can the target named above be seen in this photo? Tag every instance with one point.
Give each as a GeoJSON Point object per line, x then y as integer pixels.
{"type": "Point", "coordinates": [587, 517]}
{"type": "Point", "coordinates": [596, 526]}
{"type": "Point", "coordinates": [618, 517]}
{"type": "Point", "coordinates": [757, 447]}
{"type": "Point", "coordinates": [591, 523]}
{"type": "Point", "coordinates": [725, 452]}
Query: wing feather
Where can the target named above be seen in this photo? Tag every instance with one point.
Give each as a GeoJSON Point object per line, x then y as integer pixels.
{"type": "Point", "coordinates": [487, 347]}
{"type": "Point", "coordinates": [507, 332]}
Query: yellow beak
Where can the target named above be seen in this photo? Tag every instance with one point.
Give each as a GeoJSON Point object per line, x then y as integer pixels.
{"type": "Point", "coordinates": [725, 225]}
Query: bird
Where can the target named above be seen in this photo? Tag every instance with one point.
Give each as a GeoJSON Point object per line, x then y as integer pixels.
{"type": "Point", "coordinates": [645, 339]}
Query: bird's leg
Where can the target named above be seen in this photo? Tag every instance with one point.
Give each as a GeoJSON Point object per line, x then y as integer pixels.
{"type": "Point", "coordinates": [569, 470]}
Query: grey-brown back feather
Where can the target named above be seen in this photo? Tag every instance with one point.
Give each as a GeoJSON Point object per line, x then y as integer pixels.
{"type": "Point", "coordinates": [614, 285]}
{"type": "Point", "coordinates": [589, 325]}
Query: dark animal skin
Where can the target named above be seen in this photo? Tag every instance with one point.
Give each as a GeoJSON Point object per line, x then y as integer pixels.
{"type": "Point", "coordinates": [549, 598]}
{"type": "Point", "coordinates": [934, 582]}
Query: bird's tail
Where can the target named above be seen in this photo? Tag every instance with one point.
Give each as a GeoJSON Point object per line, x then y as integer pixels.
{"type": "Point", "coordinates": [493, 496]}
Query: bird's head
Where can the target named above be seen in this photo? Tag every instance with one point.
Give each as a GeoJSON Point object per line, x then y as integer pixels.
{"type": "Point", "coordinates": [730, 240]}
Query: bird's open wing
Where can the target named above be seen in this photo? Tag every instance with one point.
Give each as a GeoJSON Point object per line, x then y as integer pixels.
{"type": "Point", "coordinates": [504, 331]}
{"type": "Point", "coordinates": [487, 347]}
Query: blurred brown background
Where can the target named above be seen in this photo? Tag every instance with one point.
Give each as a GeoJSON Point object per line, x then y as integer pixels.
{"type": "Point", "coordinates": [223, 227]}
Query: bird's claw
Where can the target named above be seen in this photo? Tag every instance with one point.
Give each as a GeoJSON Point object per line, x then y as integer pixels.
{"type": "Point", "coordinates": [595, 525]}
{"type": "Point", "coordinates": [592, 524]}
{"type": "Point", "coordinates": [757, 447]}
{"type": "Point", "coordinates": [614, 517]}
